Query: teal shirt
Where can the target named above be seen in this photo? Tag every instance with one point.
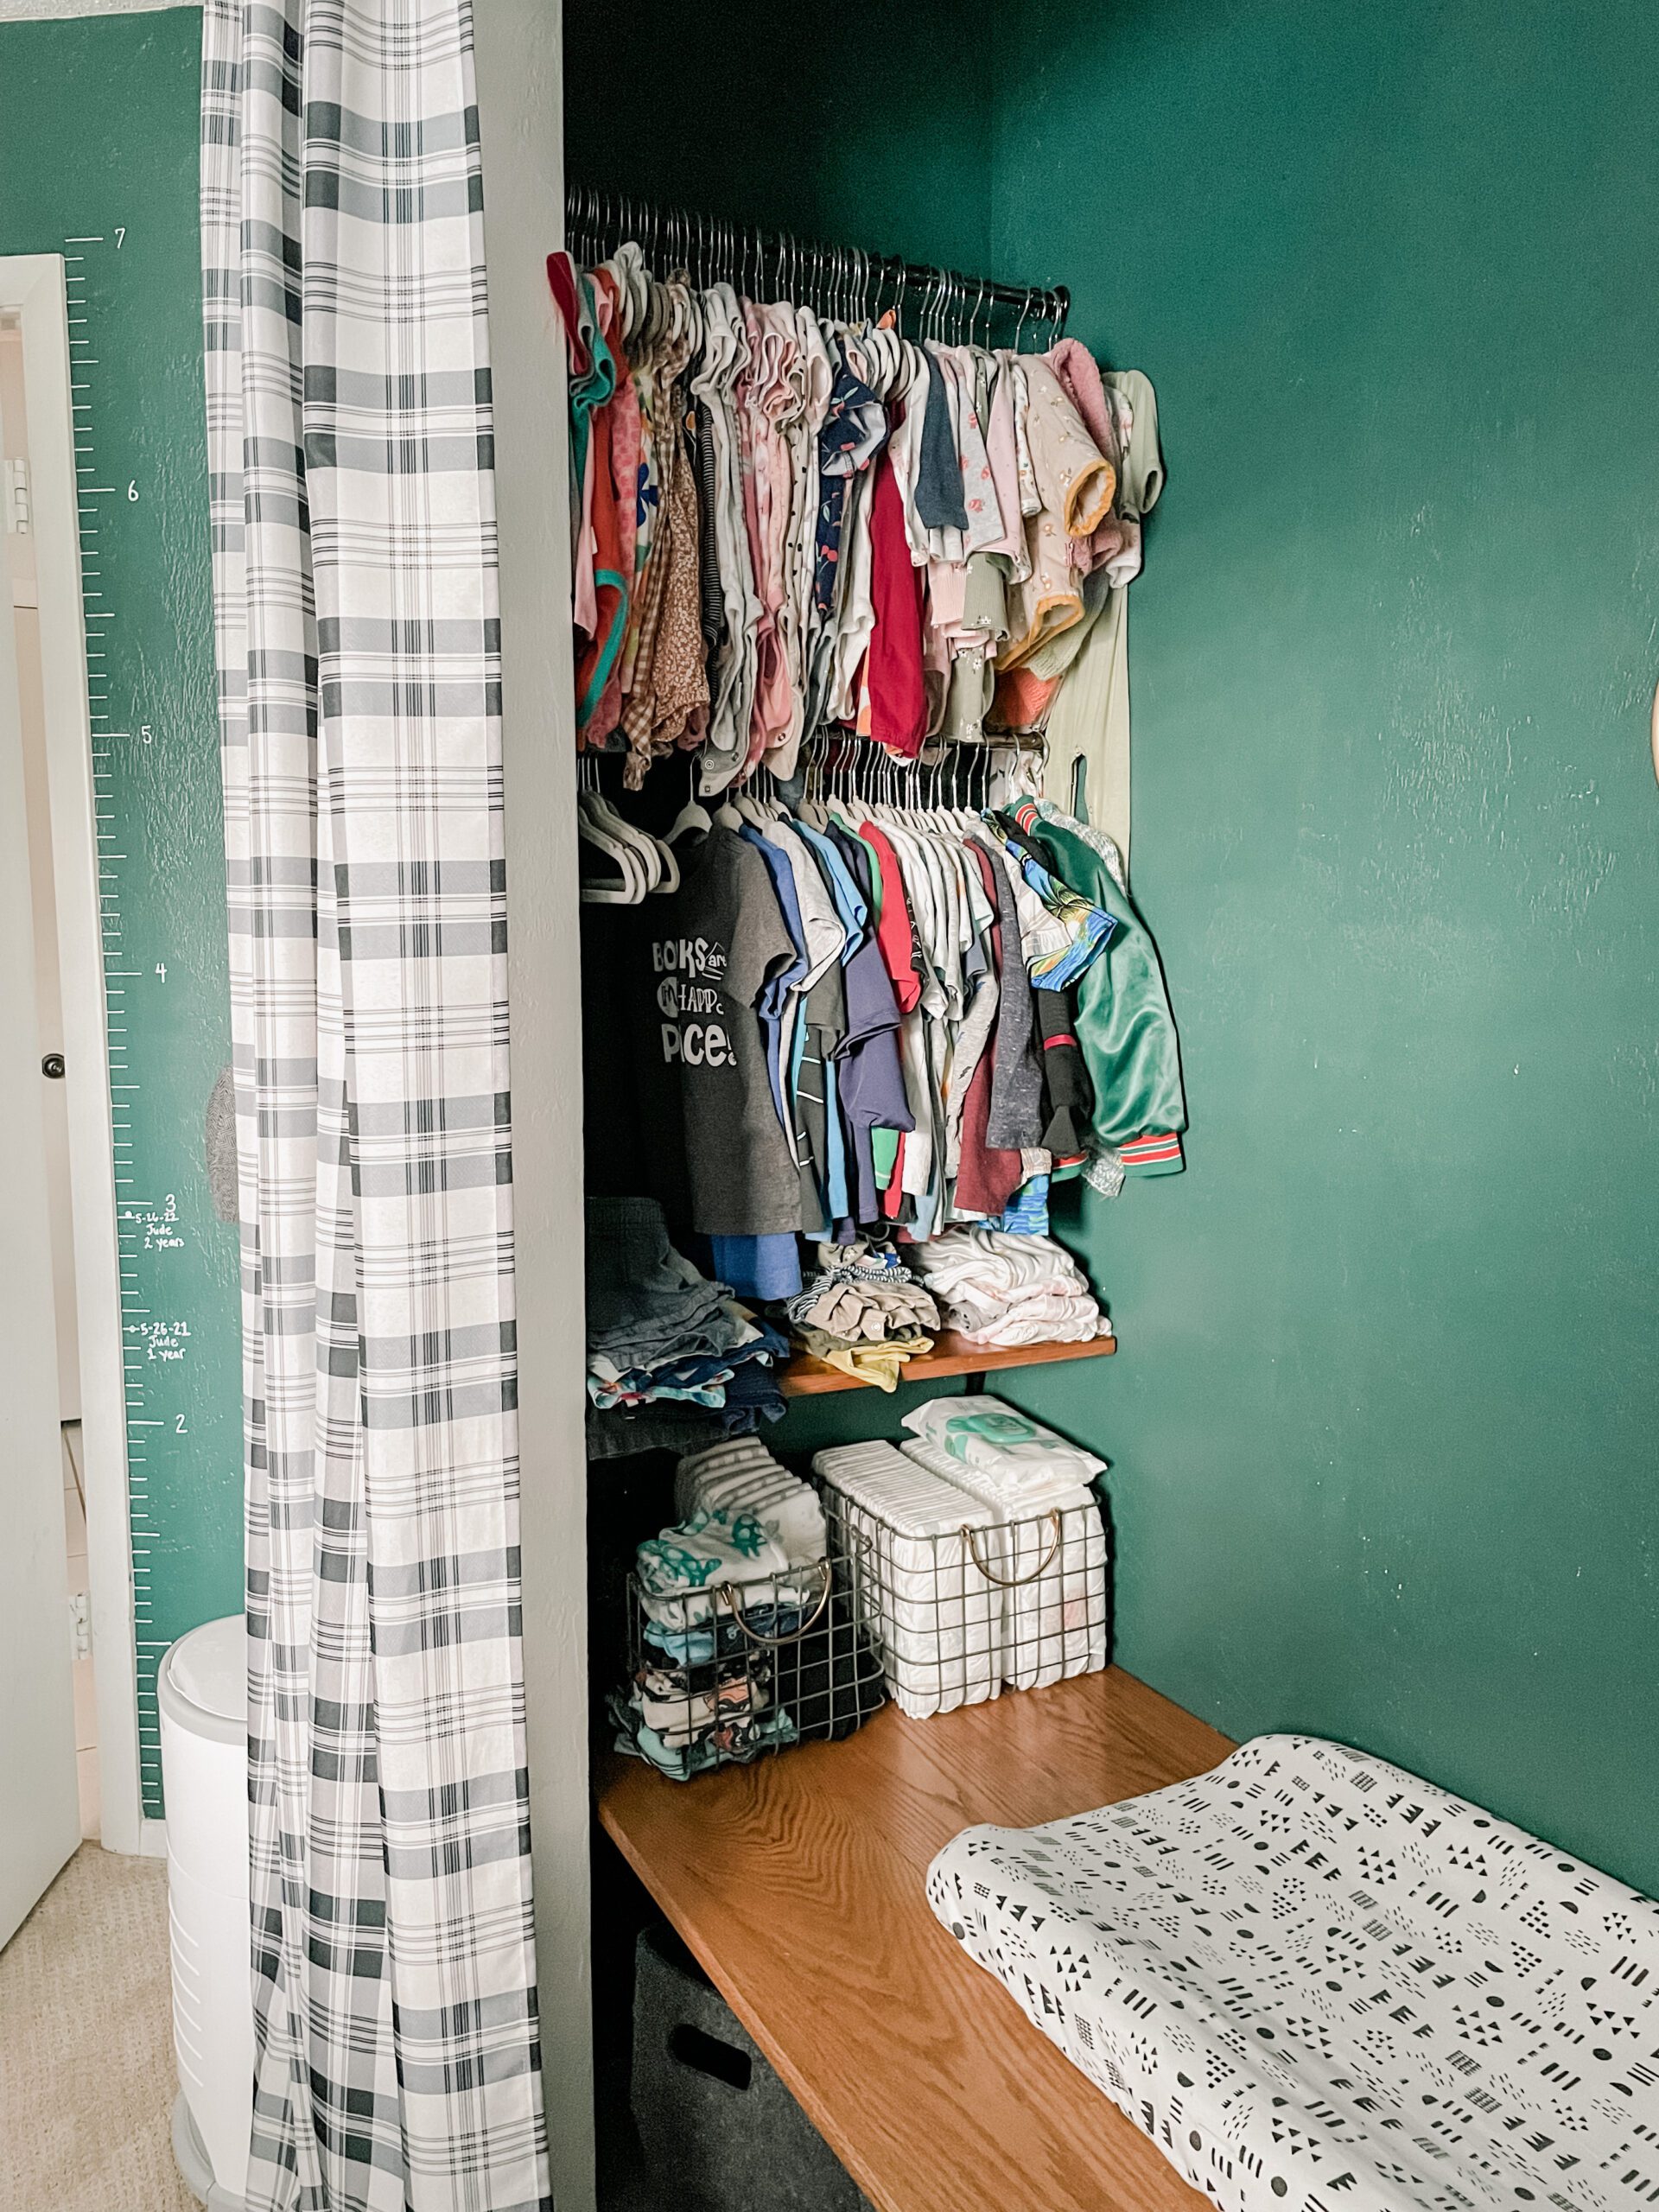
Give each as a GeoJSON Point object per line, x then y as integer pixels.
{"type": "Point", "coordinates": [1124, 1027]}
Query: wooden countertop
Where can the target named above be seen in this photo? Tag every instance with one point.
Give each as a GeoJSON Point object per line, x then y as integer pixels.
{"type": "Point", "coordinates": [797, 1881]}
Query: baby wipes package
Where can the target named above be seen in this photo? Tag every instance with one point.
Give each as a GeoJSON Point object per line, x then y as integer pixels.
{"type": "Point", "coordinates": [985, 1432]}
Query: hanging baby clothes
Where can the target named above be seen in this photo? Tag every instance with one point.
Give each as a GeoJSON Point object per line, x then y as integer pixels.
{"type": "Point", "coordinates": [871, 1027]}
{"type": "Point", "coordinates": [717, 941]}
{"type": "Point", "coordinates": [1088, 719]}
{"type": "Point", "coordinates": [787, 524]}
{"type": "Point", "coordinates": [1124, 1034]}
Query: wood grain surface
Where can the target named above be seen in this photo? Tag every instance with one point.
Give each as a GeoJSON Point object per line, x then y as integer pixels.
{"type": "Point", "coordinates": [797, 1881]}
{"type": "Point", "coordinates": [806, 1377]}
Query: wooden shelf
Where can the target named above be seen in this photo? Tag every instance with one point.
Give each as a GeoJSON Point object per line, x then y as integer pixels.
{"type": "Point", "coordinates": [805, 1378]}
{"type": "Point", "coordinates": [799, 1884]}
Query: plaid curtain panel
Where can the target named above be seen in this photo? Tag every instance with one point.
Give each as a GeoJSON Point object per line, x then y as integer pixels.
{"type": "Point", "coordinates": [348, 402]}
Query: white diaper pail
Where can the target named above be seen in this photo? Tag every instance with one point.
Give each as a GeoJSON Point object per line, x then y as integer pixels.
{"type": "Point", "coordinates": [202, 1691]}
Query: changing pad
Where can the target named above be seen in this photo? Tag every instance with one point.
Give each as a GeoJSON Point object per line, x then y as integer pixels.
{"type": "Point", "coordinates": [1321, 1985]}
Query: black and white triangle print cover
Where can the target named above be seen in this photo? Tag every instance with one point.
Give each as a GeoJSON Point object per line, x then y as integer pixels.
{"type": "Point", "coordinates": [1321, 1985]}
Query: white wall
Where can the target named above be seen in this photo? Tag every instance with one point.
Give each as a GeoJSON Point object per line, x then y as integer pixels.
{"type": "Point", "coordinates": [520, 100]}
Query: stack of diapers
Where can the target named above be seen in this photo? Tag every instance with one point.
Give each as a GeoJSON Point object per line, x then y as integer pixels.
{"type": "Point", "coordinates": [1054, 1578]}
{"type": "Point", "coordinates": [912, 1535]}
{"type": "Point", "coordinates": [1316, 1981]}
{"type": "Point", "coordinates": [1054, 1605]}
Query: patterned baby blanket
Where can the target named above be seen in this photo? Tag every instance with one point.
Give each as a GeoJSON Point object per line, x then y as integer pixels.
{"type": "Point", "coordinates": [1320, 1985]}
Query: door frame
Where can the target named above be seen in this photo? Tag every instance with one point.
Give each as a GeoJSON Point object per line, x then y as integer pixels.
{"type": "Point", "coordinates": [32, 286]}
{"type": "Point", "coordinates": [519, 58]}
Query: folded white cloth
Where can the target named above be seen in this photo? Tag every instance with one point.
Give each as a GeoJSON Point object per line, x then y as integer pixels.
{"type": "Point", "coordinates": [1021, 1458]}
{"type": "Point", "coordinates": [1045, 1320]}
{"type": "Point", "coordinates": [996, 1288]}
{"type": "Point", "coordinates": [1054, 1569]}
{"type": "Point", "coordinates": [681, 1572]}
{"type": "Point", "coordinates": [922, 1592]}
{"type": "Point", "coordinates": [745, 1477]}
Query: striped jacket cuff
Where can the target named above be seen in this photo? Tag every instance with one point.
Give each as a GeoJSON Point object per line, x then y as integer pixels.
{"type": "Point", "coordinates": [1159, 1153]}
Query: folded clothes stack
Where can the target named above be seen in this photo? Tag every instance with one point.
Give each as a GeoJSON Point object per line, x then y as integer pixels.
{"type": "Point", "coordinates": [995, 1288]}
{"type": "Point", "coordinates": [744, 1648]}
{"type": "Point", "coordinates": [682, 1706]}
{"type": "Point", "coordinates": [708, 1563]}
{"type": "Point", "coordinates": [865, 1313]}
{"type": "Point", "coordinates": [661, 1335]}
{"type": "Point", "coordinates": [685, 1720]}
{"type": "Point", "coordinates": [743, 1476]}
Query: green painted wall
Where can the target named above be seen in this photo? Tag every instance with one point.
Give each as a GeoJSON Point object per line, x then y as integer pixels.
{"type": "Point", "coordinates": [1386, 1423]}
{"type": "Point", "coordinates": [98, 121]}
{"type": "Point", "coordinates": [851, 133]}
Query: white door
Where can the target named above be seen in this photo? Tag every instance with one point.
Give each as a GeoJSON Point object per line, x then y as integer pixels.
{"type": "Point", "coordinates": [25, 596]}
{"type": "Point", "coordinates": [39, 1812]}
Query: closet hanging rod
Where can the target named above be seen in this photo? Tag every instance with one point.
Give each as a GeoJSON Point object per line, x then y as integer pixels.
{"type": "Point", "coordinates": [839, 281]}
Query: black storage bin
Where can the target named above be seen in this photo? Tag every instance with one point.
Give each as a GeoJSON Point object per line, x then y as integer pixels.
{"type": "Point", "coordinates": [719, 2130]}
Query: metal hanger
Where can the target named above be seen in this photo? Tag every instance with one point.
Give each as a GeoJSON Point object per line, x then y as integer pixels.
{"type": "Point", "coordinates": [973, 320]}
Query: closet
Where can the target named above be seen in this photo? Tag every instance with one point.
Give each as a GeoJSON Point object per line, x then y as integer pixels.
{"type": "Point", "coordinates": [864, 1000]}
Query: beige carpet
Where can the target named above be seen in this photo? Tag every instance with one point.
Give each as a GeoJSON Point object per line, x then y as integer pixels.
{"type": "Point", "coordinates": [87, 2079]}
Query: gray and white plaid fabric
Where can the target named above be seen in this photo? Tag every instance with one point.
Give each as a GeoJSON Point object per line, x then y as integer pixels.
{"type": "Point", "coordinates": [348, 403]}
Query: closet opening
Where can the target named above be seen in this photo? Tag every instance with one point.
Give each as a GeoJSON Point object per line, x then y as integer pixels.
{"type": "Point", "coordinates": [859, 1004]}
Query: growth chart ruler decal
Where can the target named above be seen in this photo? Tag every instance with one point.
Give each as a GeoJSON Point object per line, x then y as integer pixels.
{"type": "Point", "coordinates": [142, 501]}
